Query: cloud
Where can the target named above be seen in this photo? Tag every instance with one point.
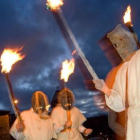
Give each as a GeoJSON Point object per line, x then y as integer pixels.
{"type": "Point", "coordinates": [29, 24]}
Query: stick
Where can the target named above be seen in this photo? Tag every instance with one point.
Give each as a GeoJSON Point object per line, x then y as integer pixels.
{"type": "Point", "coordinates": [11, 96]}
{"type": "Point", "coordinates": [128, 25]}
{"type": "Point", "coordinates": [79, 51]}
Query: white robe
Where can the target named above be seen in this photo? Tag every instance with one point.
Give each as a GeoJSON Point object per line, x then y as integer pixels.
{"type": "Point", "coordinates": [116, 101]}
{"type": "Point", "coordinates": [35, 128]}
{"type": "Point", "coordinates": [59, 117]}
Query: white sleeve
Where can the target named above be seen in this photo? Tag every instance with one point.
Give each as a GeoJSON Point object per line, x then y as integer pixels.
{"type": "Point", "coordinates": [19, 135]}
{"type": "Point", "coordinates": [58, 128]}
{"type": "Point", "coordinates": [81, 128]}
{"type": "Point", "coordinates": [114, 101]}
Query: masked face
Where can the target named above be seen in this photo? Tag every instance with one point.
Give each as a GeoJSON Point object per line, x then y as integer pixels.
{"type": "Point", "coordinates": [66, 98]}
{"type": "Point", "coordinates": [40, 103]}
{"type": "Point", "coordinates": [123, 41]}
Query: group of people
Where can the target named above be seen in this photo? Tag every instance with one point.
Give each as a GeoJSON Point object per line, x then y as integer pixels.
{"type": "Point", "coordinates": [66, 121]}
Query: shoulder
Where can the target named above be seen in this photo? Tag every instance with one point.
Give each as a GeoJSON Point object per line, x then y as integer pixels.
{"type": "Point", "coordinates": [123, 68]}
{"type": "Point", "coordinates": [75, 109]}
{"type": "Point", "coordinates": [56, 109]}
{"type": "Point", "coordinates": [135, 57]}
{"type": "Point", "coordinates": [26, 112]}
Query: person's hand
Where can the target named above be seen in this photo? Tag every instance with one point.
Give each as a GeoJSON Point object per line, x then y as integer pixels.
{"type": "Point", "coordinates": [20, 127]}
{"type": "Point", "coordinates": [68, 124]}
{"type": "Point", "coordinates": [100, 85]}
{"type": "Point", "coordinates": [87, 132]}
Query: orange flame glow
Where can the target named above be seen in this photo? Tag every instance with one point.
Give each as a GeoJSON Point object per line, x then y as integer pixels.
{"type": "Point", "coordinates": [127, 16]}
{"type": "Point", "coordinates": [16, 101]}
{"type": "Point", "coordinates": [67, 69]}
{"type": "Point", "coordinates": [54, 4]}
{"type": "Point", "coordinates": [74, 52]}
{"type": "Point", "coordinates": [10, 57]}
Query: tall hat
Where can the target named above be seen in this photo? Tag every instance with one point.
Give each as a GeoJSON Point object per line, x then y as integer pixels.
{"type": "Point", "coordinates": [40, 103]}
{"type": "Point", "coordinates": [66, 98]}
{"type": "Point", "coordinates": [118, 44]}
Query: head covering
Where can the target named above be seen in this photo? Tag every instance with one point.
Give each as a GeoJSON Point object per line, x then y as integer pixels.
{"type": "Point", "coordinates": [123, 41]}
{"type": "Point", "coordinates": [66, 98]}
{"type": "Point", "coordinates": [40, 103]}
{"type": "Point", "coordinates": [118, 44]}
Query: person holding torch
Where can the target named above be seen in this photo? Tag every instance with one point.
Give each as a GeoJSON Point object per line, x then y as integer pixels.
{"type": "Point", "coordinates": [125, 93]}
{"type": "Point", "coordinates": [36, 124]}
{"type": "Point", "coordinates": [67, 119]}
{"type": "Point", "coordinates": [33, 124]}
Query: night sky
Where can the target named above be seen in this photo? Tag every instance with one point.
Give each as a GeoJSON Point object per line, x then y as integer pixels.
{"type": "Point", "coordinates": [29, 24]}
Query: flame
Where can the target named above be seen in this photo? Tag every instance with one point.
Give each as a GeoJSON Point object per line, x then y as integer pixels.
{"type": "Point", "coordinates": [47, 107]}
{"type": "Point", "coordinates": [67, 69]}
{"type": "Point", "coordinates": [54, 4]}
{"type": "Point", "coordinates": [10, 57]}
{"type": "Point", "coordinates": [127, 16]}
{"type": "Point", "coordinates": [16, 101]}
{"type": "Point", "coordinates": [74, 52]}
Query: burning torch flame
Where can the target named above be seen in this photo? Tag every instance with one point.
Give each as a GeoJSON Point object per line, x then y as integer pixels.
{"type": "Point", "coordinates": [16, 101]}
{"type": "Point", "coordinates": [10, 57]}
{"type": "Point", "coordinates": [127, 16]}
{"type": "Point", "coordinates": [74, 52]}
{"type": "Point", "coordinates": [67, 69]}
{"type": "Point", "coordinates": [54, 4]}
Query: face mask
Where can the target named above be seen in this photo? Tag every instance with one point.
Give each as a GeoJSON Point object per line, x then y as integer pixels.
{"type": "Point", "coordinates": [40, 104]}
{"type": "Point", "coordinates": [66, 98]}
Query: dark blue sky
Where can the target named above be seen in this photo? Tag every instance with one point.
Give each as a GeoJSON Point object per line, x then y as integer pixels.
{"type": "Point", "coordinates": [28, 23]}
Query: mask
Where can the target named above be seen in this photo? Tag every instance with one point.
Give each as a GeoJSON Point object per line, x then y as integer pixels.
{"type": "Point", "coordinates": [40, 104]}
{"type": "Point", "coordinates": [66, 98]}
{"type": "Point", "coordinates": [123, 41]}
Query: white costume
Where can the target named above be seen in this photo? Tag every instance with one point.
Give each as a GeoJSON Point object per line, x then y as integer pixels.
{"type": "Point", "coordinates": [116, 122]}
{"type": "Point", "coordinates": [116, 101]}
{"type": "Point", "coordinates": [59, 117]}
{"type": "Point", "coordinates": [35, 127]}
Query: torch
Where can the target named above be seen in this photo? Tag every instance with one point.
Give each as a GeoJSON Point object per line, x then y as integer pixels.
{"type": "Point", "coordinates": [128, 23]}
{"type": "Point", "coordinates": [54, 6]}
{"type": "Point", "coordinates": [67, 69]}
{"type": "Point", "coordinates": [8, 58]}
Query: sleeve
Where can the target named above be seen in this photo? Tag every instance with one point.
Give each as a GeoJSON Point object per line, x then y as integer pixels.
{"type": "Point", "coordinates": [82, 119]}
{"type": "Point", "coordinates": [54, 135]}
{"type": "Point", "coordinates": [116, 101]}
{"type": "Point", "coordinates": [55, 116]}
{"type": "Point", "coordinates": [81, 128]}
{"type": "Point", "coordinates": [117, 128]}
{"type": "Point", "coordinates": [17, 135]}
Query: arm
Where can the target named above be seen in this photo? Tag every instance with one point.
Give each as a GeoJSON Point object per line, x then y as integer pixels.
{"type": "Point", "coordinates": [112, 96]}
{"type": "Point", "coordinates": [17, 130]}
{"type": "Point", "coordinates": [81, 128]}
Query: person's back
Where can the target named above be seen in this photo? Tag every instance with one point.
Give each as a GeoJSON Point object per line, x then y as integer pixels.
{"type": "Point", "coordinates": [67, 119]}
{"type": "Point", "coordinates": [36, 123]}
